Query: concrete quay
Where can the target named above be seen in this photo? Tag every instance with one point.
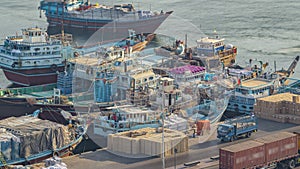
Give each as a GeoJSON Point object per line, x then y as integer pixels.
{"type": "Point", "coordinates": [198, 150]}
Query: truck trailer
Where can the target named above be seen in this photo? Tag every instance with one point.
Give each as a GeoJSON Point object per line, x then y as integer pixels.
{"type": "Point", "coordinates": [232, 129]}
{"type": "Point", "coordinates": [279, 150]}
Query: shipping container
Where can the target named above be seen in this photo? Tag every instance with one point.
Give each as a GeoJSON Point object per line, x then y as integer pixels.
{"type": "Point", "coordinates": [279, 145]}
{"type": "Point", "coordinates": [242, 155]}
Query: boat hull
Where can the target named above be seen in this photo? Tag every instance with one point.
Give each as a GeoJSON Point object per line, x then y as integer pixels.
{"type": "Point", "coordinates": [32, 77]}
{"type": "Point", "coordinates": [16, 107]}
{"type": "Point", "coordinates": [36, 158]}
{"type": "Point", "coordinates": [107, 30]}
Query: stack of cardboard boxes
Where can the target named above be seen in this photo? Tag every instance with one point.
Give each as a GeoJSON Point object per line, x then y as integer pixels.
{"type": "Point", "coordinates": [284, 107]}
{"type": "Point", "coordinates": [147, 142]}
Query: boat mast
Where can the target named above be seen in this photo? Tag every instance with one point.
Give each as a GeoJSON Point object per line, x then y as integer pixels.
{"type": "Point", "coordinates": [62, 25]}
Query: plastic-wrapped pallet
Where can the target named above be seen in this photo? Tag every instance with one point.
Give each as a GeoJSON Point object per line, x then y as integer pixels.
{"type": "Point", "coordinates": [54, 163]}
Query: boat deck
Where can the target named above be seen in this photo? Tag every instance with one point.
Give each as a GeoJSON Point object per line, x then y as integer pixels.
{"type": "Point", "coordinates": [45, 94]}
{"type": "Point", "coordinates": [255, 83]}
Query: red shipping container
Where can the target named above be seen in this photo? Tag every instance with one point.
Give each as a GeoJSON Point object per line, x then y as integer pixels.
{"type": "Point", "coordinates": [242, 155]}
{"type": "Point", "coordinates": [279, 145]}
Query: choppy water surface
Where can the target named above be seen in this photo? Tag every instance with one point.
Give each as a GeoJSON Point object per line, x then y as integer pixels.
{"type": "Point", "coordinates": [266, 30]}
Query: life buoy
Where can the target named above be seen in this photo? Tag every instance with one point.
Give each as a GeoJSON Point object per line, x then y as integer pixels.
{"type": "Point", "coordinates": [13, 65]}
{"type": "Point", "coordinates": [54, 67]}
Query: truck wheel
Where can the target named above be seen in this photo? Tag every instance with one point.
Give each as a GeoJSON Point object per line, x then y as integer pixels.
{"type": "Point", "coordinates": [248, 134]}
{"type": "Point", "coordinates": [280, 166]}
{"type": "Point", "coordinates": [292, 163]}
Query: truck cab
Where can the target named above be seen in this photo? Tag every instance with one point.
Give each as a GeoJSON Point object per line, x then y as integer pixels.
{"type": "Point", "coordinates": [234, 128]}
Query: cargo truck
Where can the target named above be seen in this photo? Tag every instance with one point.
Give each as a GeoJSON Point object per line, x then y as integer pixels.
{"type": "Point", "coordinates": [279, 150]}
{"type": "Point", "coordinates": [232, 129]}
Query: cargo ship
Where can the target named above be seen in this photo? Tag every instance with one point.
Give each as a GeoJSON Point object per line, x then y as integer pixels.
{"type": "Point", "coordinates": [16, 102]}
{"type": "Point", "coordinates": [32, 58]}
{"type": "Point", "coordinates": [28, 140]}
{"type": "Point", "coordinates": [211, 52]}
{"type": "Point", "coordinates": [54, 97]}
{"type": "Point", "coordinates": [266, 84]}
{"type": "Point", "coordinates": [209, 48]}
{"type": "Point", "coordinates": [84, 19]}
{"type": "Point", "coordinates": [186, 89]}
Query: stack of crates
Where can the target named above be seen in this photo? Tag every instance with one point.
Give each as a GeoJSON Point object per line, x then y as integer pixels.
{"type": "Point", "coordinates": [103, 87]}
{"type": "Point", "coordinates": [64, 82]}
{"type": "Point", "coordinates": [103, 91]}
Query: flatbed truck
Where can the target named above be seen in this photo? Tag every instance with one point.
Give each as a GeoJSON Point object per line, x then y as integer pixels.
{"type": "Point", "coordinates": [232, 129]}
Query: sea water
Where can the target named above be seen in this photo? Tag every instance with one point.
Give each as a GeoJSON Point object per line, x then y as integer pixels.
{"type": "Point", "coordinates": [263, 30]}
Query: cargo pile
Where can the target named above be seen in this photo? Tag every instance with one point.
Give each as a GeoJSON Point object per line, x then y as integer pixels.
{"type": "Point", "coordinates": [284, 108]}
{"type": "Point", "coordinates": [147, 142]}
{"type": "Point", "coordinates": [203, 127]}
{"type": "Point", "coordinates": [22, 137]}
{"type": "Point", "coordinates": [175, 122]}
{"type": "Point", "coordinates": [50, 163]}
{"type": "Point", "coordinates": [259, 152]}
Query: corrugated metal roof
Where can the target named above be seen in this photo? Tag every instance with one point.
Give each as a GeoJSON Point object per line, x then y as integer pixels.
{"type": "Point", "coordinates": [275, 137]}
{"type": "Point", "coordinates": [242, 146]}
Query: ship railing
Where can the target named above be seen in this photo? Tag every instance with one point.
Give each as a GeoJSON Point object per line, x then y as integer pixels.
{"type": "Point", "coordinates": [52, 42]}
{"type": "Point", "coordinates": [123, 124]}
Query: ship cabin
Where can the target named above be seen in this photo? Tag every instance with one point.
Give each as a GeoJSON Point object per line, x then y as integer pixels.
{"type": "Point", "coordinates": [125, 119]}
{"type": "Point", "coordinates": [112, 81]}
{"type": "Point", "coordinates": [32, 48]}
{"type": "Point", "coordinates": [241, 73]}
{"type": "Point", "coordinates": [210, 46]}
{"type": "Point", "coordinates": [248, 91]}
{"type": "Point", "coordinates": [209, 49]}
{"type": "Point", "coordinates": [134, 85]}
{"type": "Point", "coordinates": [168, 93]}
{"type": "Point", "coordinates": [56, 7]}
{"type": "Point", "coordinates": [130, 82]}
{"type": "Point", "coordinates": [144, 78]}
{"type": "Point", "coordinates": [187, 73]}
{"type": "Point", "coordinates": [110, 53]}
{"type": "Point", "coordinates": [103, 60]}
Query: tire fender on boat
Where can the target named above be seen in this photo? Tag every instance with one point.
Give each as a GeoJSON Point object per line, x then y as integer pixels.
{"type": "Point", "coordinates": [13, 65]}
{"type": "Point", "coordinates": [54, 67]}
{"type": "Point", "coordinates": [76, 54]}
{"type": "Point", "coordinates": [55, 153]}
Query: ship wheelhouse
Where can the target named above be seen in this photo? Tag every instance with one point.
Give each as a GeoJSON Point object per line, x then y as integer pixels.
{"type": "Point", "coordinates": [209, 46]}
{"type": "Point", "coordinates": [248, 91]}
{"type": "Point", "coordinates": [30, 49]}
{"type": "Point", "coordinates": [212, 51]}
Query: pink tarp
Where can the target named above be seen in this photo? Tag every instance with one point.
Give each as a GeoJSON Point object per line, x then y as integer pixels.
{"type": "Point", "coordinates": [191, 68]}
